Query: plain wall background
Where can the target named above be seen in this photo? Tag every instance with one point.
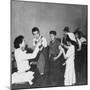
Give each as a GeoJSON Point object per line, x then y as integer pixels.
{"type": "Point", "coordinates": [46, 16]}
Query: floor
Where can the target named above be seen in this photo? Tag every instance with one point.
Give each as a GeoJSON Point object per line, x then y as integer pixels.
{"type": "Point", "coordinates": [44, 81]}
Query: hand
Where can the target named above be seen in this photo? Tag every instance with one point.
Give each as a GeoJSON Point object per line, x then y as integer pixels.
{"type": "Point", "coordinates": [60, 47]}
{"type": "Point", "coordinates": [55, 58]}
{"type": "Point", "coordinates": [63, 64]}
{"type": "Point", "coordinates": [78, 49]}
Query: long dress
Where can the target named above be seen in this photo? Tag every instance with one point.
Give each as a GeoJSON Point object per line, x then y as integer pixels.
{"type": "Point", "coordinates": [81, 60]}
{"type": "Point", "coordinates": [69, 76]}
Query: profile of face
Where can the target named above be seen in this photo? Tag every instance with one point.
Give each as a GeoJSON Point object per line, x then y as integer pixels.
{"type": "Point", "coordinates": [22, 45]}
{"type": "Point", "coordinates": [52, 37]}
{"type": "Point", "coordinates": [36, 34]}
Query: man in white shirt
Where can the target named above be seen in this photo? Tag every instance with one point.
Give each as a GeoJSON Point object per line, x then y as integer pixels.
{"type": "Point", "coordinates": [42, 56]}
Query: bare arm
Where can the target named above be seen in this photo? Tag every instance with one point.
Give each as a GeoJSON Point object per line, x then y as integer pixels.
{"type": "Point", "coordinates": [79, 44]}
{"type": "Point", "coordinates": [60, 53]}
{"type": "Point", "coordinates": [32, 55]}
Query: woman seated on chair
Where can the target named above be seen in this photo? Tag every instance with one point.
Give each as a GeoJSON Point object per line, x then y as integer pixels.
{"type": "Point", "coordinates": [23, 74]}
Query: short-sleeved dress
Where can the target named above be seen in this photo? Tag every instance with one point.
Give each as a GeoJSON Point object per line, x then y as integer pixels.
{"type": "Point", "coordinates": [56, 72]}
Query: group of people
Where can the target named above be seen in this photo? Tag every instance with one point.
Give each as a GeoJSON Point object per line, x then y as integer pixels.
{"type": "Point", "coordinates": [60, 54]}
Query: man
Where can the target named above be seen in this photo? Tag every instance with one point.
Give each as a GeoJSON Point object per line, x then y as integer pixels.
{"type": "Point", "coordinates": [43, 49]}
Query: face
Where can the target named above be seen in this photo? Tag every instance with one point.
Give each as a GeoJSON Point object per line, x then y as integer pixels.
{"type": "Point", "coordinates": [52, 37]}
{"type": "Point", "coordinates": [22, 45]}
{"type": "Point", "coordinates": [36, 34]}
{"type": "Point", "coordinates": [65, 32]}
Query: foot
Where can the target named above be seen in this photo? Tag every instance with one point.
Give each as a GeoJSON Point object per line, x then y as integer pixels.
{"type": "Point", "coordinates": [30, 82]}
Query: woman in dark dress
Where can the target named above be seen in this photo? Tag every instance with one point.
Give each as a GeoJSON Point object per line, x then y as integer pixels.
{"type": "Point", "coordinates": [56, 68]}
{"type": "Point", "coordinates": [81, 56]}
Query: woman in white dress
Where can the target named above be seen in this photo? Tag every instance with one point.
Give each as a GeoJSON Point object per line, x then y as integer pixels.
{"type": "Point", "coordinates": [69, 76]}
{"type": "Point", "coordinates": [23, 74]}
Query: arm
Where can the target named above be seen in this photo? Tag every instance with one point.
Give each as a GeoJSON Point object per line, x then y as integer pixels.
{"type": "Point", "coordinates": [60, 53]}
{"type": "Point", "coordinates": [65, 46]}
{"type": "Point", "coordinates": [79, 44]}
{"type": "Point", "coordinates": [64, 53]}
{"type": "Point", "coordinates": [31, 55]}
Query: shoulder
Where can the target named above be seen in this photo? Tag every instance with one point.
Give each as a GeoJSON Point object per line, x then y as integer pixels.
{"type": "Point", "coordinates": [18, 52]}
{"type": "Point", "coordinates": [57, 42]}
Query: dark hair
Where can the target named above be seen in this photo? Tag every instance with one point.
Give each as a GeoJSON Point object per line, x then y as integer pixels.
{"type": "Point", "coordinates": [53, 32]}
{"type": "Point", "coordinates": [18, 40]}
{"type": "Point", "coordinates": [34, 29]}
{"type": "Point", "coordinates": [78, 32]}
{"type": "Point", "coordinates": [69, 40]}
{"type": "Point", "coordinates": [66, 29]}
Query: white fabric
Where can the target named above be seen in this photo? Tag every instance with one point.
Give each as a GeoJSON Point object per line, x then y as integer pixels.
{"type": "Point", "coordinates": [44, 42]}
{"type": "Point", "coordinates": [23, 65]}
{"type": "Point", "coordinates": [82, 39]}
{"type": "Point", "coordinates": [22, 59]}
{"type": "Point", "coordinates": [79, 43]}
{"type": "Point", "coordinates": [69, 76]}
{"type": "Point", "coordinates": [71, 36]}
{"type": "Point", "coordinates": [23, 77]}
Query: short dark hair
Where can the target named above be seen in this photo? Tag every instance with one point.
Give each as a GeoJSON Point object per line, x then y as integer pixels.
{"type": "Point", "coordinates": [53, 32]}
{"type": "Point", "coordinates": [18, 40]}
{"type": "Point", "coordinates": [34, 29]}
{"type": "Point", "coordinates": [66, 29]}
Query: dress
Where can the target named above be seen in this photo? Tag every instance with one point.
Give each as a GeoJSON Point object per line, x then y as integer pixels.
{"type": "Point", "coordinates": [56, 71]}
{"type": "Point", "coordinates": [69, 75]}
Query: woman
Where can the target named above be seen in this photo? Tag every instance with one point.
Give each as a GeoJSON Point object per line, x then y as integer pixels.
{"type": "Point", "coordinates": [81, 55]}
{"type": "Point", "coordinates": [23, 74]}
{"type": "Point", "coordinates": [69, 76]}
{"type": "Point", "coordinates": [56, 68]}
